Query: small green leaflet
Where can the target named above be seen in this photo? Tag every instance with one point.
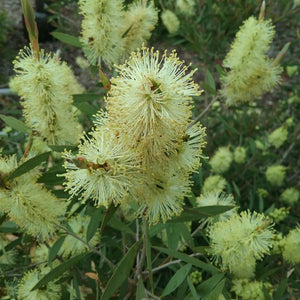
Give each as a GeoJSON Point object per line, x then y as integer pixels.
{"type": "Point", "coordinates": [176, 280]}
{"type": "Point", "coordinates": [29, 165]}
{"type": "Point", "coordinates": [58, 271]}
{"type": "Point", "coordinates": [67, 38]}
{"type": "Point", "coordinates": [15, 124]}
{"type": "Point", "coordinates": [121, 272]}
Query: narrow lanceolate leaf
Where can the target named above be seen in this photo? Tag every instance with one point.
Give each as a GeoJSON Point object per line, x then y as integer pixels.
{"type": "Point", "coordinates": [29, 165]}
{"type": "Point", "coordinates": [140, 290]}
{"type": "Point", "coordinates": [77, 98]}
{"type": "Point", "coordinates": [194, 214]}
{"type": "Point", "coordinates": [15, 124]}
{"type": "Point", "coordinates": [209, 285]}
{"type": "Point", "coordinates": [94, 224]}
{"type": "Point", "coordinates": [176, 280]}
{"type": "Point", "coordinates": [108, 215]}
{"type": "Point", "coordinates": [55, 249]}
{"type": "Point", "coordinates": [188, 259]}
{"type": "Point", "coordinates": [121, 272]}
{"type": "Point", "coordinates": [67, 39]}
{"type": "Point", "coordinates": [58, 271]}
{"type": "Point", "coordinates": [29, 16]}
{"type": "Point", "coordinates": [194, 294]}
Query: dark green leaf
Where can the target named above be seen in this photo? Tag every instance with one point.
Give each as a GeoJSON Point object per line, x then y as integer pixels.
{"type": "Point", "coordinates": [176, 280]}
{"type": "Point", "coordinates": [67, 38]}
{"type": "Point", "coordinates": [77, 98]}
{"type": "Point", "coordinates": [190, 260]}
{"type": "Point", "coordinates": [15, 124]}
{"type": "Point", "coordinates": [108, 215]}
{"type": "Point", "coordinates": [140, 290]}
{"type": "Point", "coordinates": [207, 88]}
{"type": "Point", "coordinates": [86, 108]}
{"type": "Point", "coordinates": [29, 165]}
{"type": "Point", "coordinates": [208, 286]}
{"type": "Point", "coordinates": [211, 81]}
{"type": "Point", "coordinates": [9, 227]}
{"type": "Point", "coordinates": [280, 290]}
{"type": "Point", "coordinates": [58, 271]}
{"type": "Point", "coordinates": [55, 248]}
{"type": "Point", "coordinates": [50, 177]}
{"type": "Point", "coordinates": [62, 148]}
{"type": "Point", "coordinates": [194, 294]}
{"type": "Point", "coordinates": [194, 214]}
{"type": "Point", "coordinates": [121, 272]}
{"type": "Point", "coordinates": [96, 218]}
{"type": "Point", "coordinates": [217, 290]}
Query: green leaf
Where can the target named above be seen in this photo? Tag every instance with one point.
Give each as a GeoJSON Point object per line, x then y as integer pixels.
{"type": "Point", "coordinates": [194, 214]}
{"type": "Point", "coordinates": [121, 272]}
{"type": "Point", "coordinates": [208, 286]}
{"type": "Point", "coordinates": [211, 81]}
{"type": "Point", "coordinates": [208, 88]}
{"type": "Point", "coordinates": [96, 218]}
{"type": "Point", "coordinates": [67, 38]}
{"type": "Point", "coordinates": [140, 290]}
{"type": "Point", "coordinates": [15, 124]}
{"type": "Point", "coordinates": [190, 260]}
{"type": "Point", "coordinates": [86, 108]}
{"type": "Point", "coordinates": [58, 271]}
{"type": "Point", "coordinates": [280, 289]}
{"type": "Point", "coordinates": [29, 165]}
{"type": "Point", "coordinates": [148, 253]}
{"type": "Point", "coordinates": [50, 177]}
{"type": "Point", "coordinates": [9, 227]}
{"type": "Point", "coordinates": [193, 293]}
{"type": "Point", "coordinates": [77, 98]}
{"type": "Point", "coordinates": [108, 215]}
{"type": "Point", "coordinates": [55, 248]}
{"type": "Point", "coordinates": [217, 290]}
{"type": "Point", "coordinates": [176, 280]}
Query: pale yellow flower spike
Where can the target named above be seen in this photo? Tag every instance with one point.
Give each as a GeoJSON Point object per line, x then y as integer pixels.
{"type": "Point", "coordinates": [139, 20]}
{"type": "Point", "coordinates": [46, 87]}
{"type": "Point", "coordinates": [102, 28]}
{"type": "Point", "coordinates": [150, 103]}
{"type": "Point", "coordinates": [251, 72]}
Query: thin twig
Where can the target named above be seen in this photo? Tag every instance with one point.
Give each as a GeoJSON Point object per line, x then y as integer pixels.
{"type": "Point", "coordinates": [169, 264]}
{"type": "Point", "coordinates": [204, 111]}
{"type": "Point", "coordinates": [93, 249]}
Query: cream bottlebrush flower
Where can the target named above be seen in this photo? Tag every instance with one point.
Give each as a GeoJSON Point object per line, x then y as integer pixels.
{"type": "Point", "coordinates": [221, 160]}
{"type": "Point", "coordinates": [278, 137]}
{"type": "Point", "coordinates": [161, 196]}
{"type": "Point", "coordinates": [189, 151]}
{"type": "Point", "coordinates": [251, 72]}
{"type": "Point", "coordinates": [101, 29]}
{"type": "Point", "coordinates": [217, 198]}
{"type": "Point", "coordinates": [170, 21]}
{"type": "Point", "coordinates": [214, 183]}
{"type": "Point", "coordinates": [73, 246]}
{"type": "Point", "coordinates": [290, 246]}
{"type": "Point", "coordinates": [279, 214]}
{"type": "Point", "coordinates": [251, 290]}
{"type": "Point", "coordinates": [241, 239]}
{"type": "Point", "coordinates": [139, 20]}
{"type": "Point", "coordinates": [103, 170]}
{"type": "Point", "coordinates": [239, 155]}
{"type": "Point", "coordinates": [149, 102]}
{"type": "Point", "coordinates": [28, 203]}
{"type": "Point", "coordinates": [186, 7]}
{"type": "Point", "coordinates": [50, 291]}
{"type": "Point", "coordinates": [290, 196]}
{"type": "Point", "coordinates": [275, 175]}
{"type": "Point", "coordinates": [46, 85]}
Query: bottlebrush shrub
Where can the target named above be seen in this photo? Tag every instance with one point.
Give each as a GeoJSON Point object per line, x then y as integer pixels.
{"type": "Point", "coordinates": [142, 185]}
